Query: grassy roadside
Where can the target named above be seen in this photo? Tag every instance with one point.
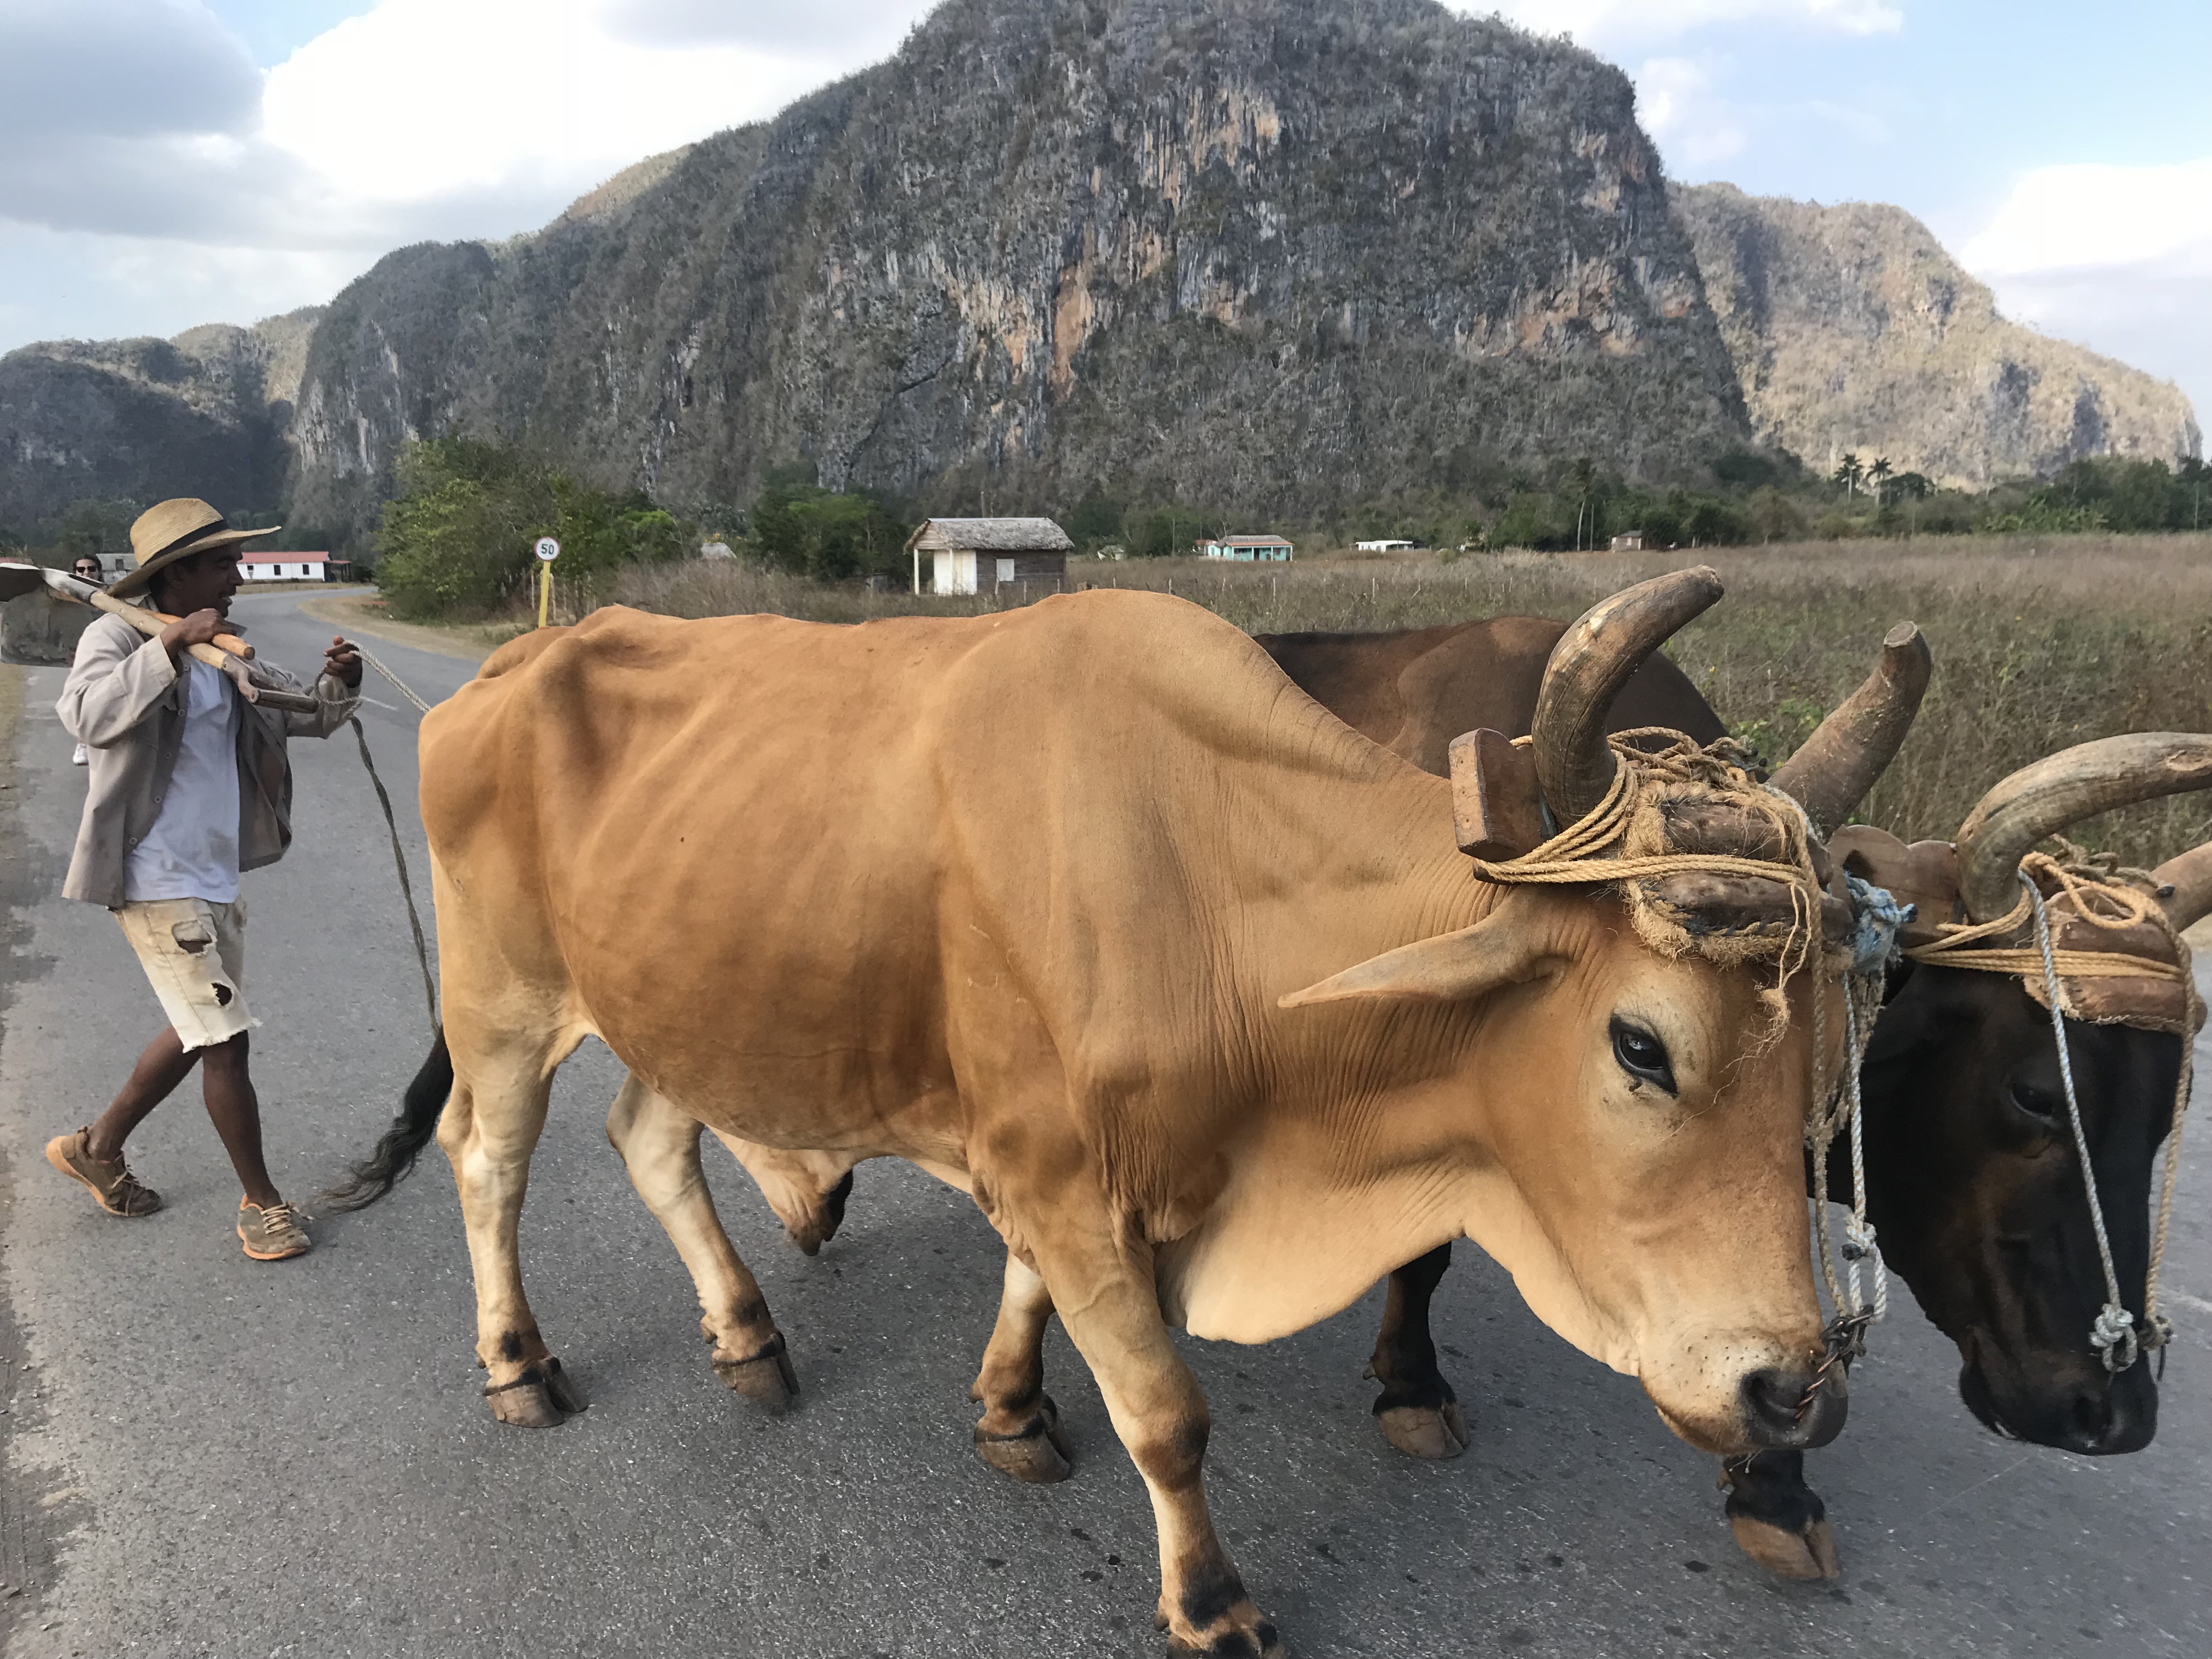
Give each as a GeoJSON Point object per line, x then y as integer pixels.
{"type": "Point", "coordinates": [364, 613]}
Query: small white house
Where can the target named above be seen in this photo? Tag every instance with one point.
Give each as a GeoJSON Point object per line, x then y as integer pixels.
{"type": "Point", "coordinates": [285, 567]}
{"type": "Point", "coordinates": [969, 554]}
{"type": "Point", "coordinates": [1382, 546]}
{"type": "Point", "coordinates": [1629, 541]}
{"type": "Point", "coordinates": [1248, 548]}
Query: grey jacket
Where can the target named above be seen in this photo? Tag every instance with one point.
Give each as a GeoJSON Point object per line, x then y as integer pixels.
{"type": "Point", "coordinates": [123, 701]}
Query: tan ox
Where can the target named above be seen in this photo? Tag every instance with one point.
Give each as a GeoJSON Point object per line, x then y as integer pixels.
{"type": "Point", "coordinates": [1017, 898]}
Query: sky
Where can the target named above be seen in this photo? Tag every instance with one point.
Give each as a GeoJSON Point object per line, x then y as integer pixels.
{"type": "Point", "coordinates": [168, 162]}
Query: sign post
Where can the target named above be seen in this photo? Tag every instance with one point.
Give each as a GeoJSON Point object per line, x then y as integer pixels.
{"type": "Point", "coordinates": [547, 550]}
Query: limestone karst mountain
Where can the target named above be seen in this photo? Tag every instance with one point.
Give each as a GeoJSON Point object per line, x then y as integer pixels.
{"type": "Point", "coordinates": [1852, 330]}
{"type": "Point", "coordinates": [1264, 253]}
{"type": "Point", "coordinates": [1274, 255]}
{"type": "Point", "coordinates": [204, 414]}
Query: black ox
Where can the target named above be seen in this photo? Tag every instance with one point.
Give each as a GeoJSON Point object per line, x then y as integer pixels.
{"type": "Point", "coordinates": [1974, 1186]}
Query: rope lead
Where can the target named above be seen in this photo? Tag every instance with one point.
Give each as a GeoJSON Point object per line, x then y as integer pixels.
{"type": "Point", "coordinates": [2113, 1333]}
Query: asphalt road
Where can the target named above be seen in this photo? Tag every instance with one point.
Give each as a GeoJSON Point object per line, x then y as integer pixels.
{"type": "Point", "coordinates": [208, 1456]}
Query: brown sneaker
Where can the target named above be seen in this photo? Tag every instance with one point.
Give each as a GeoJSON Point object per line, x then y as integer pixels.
{"type": "Point", "coordinates": [113, 1186]}
{"type": "Point", "coordinates": [273, 1234]}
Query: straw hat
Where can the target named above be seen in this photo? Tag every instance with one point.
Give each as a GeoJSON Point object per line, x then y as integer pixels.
{"type": "Point", "coordinates": [173, 531]}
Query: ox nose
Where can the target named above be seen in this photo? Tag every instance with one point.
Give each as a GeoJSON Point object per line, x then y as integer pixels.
{"type": "Point", "coordinates": [1792, 1408]}
{"type": "Point", "coordinates": [2114, 1415]}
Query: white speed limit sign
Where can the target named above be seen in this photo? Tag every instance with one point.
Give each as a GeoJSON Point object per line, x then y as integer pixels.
{"type": "Point", "coordinates": [548, 549]}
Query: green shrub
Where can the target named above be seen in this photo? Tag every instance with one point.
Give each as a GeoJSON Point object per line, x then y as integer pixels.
{"type": "Point", "coordinates": [457, 540]}
{"type": "Point", "coordinates": [804, 530]}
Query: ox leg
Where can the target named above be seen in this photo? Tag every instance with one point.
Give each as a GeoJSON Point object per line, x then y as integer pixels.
{"type": "Point", "coordinates": [1778, 1521]}
{"type": "Point", "coordinates": [487, 1131]}
{"type": "Point", "coordinates": [1019, 1431]}
{"type": "Point", "coordinates": [1419, 1412]}
{"type": "Point", "coordinates": [659, 1144]}
{"type": "Point", "coordinates": [806, 1190]}
{"type": "Point", "coordinates": [1110, 1302]}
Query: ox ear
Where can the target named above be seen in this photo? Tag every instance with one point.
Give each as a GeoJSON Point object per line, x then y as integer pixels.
{"type": "Point", "coordinates": [1499, 951]}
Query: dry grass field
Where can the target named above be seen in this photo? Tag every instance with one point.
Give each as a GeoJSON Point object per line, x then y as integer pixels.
{"type": "Point", "coordinates": [2039, 642]}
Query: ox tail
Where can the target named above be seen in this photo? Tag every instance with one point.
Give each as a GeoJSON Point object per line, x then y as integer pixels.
{"type": "Point", "coordinates": [403, 1143]}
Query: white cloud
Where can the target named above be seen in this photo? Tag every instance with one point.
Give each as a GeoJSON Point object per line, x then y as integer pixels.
{"type": "Point", "coordinates": [2094, 217]}
{"type": "Point", "coordinates": [147, 165]}
{"type": "Point", "coordinates": [1612, 25]}
{"type": "Point", "coordinates": [423, 98]}
{"type": "Point", "coordinates": [844, 28]}
{"type": "Point", "coordinates": [1677, 105]}
{"type": "Point", "coordinates": [2117, 257]}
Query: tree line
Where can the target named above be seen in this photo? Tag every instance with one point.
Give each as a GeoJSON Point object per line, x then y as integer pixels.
{"type": "Point", "coordinates": [455, 538]}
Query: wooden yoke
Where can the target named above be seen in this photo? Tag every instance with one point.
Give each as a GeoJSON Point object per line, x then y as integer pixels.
{"type": "Point", "coordinates": [1497, 810]}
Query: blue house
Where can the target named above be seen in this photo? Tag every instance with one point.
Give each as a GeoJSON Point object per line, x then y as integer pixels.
{"type": "Point", "coordinates": [1247, 547]}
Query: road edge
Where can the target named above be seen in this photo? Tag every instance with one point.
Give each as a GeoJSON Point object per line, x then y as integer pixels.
{"type": "Point", "coordinates": [350, 612]}
{"type": "Point", "coordinates": [28, 1531]}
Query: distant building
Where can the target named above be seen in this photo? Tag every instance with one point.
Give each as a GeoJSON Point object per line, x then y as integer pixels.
{"type": "Point", "coordinates": [1629, 541]}
{"type": "Point", "coordinates": [716, 550]}
{"type": "Point", "coordinates": [969, 556]}
{"type": "Point", "coordinates": [285, 567]}
{"type": "Point", "coordinates": [1384, 546]}
{"type": "Point", "coordinates": [1247, 547]}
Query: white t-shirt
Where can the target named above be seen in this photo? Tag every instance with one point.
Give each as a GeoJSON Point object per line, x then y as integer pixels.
{"type": "Point", "coordinates": [191, 851]}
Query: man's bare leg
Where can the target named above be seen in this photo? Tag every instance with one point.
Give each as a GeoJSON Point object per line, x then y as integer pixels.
{"type": "Point", "coordinates": [236, 1110]}
{"type": "Point", "coordinates": [165, 1063]}
{"type": "Point", "coordinates": [225, 1084]}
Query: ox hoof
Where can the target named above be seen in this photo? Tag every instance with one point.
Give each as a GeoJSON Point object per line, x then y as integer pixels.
{"type": "Point", "coordinates": [541, 1398]}
{"type": "Point", "coordinates": [765, 1376]}
{"type": "Point", "coordinates": [1241, 1632]}
{"type": "Point", "coordinates": [1036, 1453]}
{"type": "Point", "coordinates": [1435, 1432]}
{"type": "Point", "coordinates": [1808, 1553]}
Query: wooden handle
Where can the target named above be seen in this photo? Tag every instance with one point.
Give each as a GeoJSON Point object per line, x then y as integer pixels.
{"type": "Point", "coordinates": [150, 622]}
{"type": "Point", "coordinates": [227, 654]}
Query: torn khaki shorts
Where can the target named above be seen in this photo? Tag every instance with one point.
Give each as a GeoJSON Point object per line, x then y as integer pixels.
{"type": "Point", "coordinates": [194, 953]}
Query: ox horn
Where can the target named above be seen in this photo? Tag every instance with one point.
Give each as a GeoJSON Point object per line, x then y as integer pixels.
{"type": "Point", "coordinates": [1592, 661]}
{"type": "Point", "coordinates": [1830, 773]}
{"type": "Point", "coordinates": [2074, 784]}
{"type": "Point", "coordinates": [2191, 877]}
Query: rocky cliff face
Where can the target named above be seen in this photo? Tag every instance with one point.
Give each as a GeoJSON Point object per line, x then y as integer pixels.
{"type": "Point", "coordinates": [1852, 330]}
{"type": "Point", "coordinates": [204, 414]}
{"type": "Point", "coordinates": [1268, 254]}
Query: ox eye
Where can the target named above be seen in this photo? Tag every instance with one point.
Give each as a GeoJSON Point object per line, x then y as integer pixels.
{"type": "Point", "coordinates": [2046, 1108]}
{"type": "Point", "coordinates": [1642, 1055]}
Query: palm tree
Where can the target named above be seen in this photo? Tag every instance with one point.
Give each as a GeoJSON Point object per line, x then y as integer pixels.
{"type": "Point", "coordinates": [1848, 473]}
{"type": "Point", "coordinates": [1583, 477]}
{"type": "Point", "coordinates": [1879, 472]}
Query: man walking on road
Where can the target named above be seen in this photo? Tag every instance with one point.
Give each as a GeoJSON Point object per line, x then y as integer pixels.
{"type": "Point", "coordinates": [189, 786]}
